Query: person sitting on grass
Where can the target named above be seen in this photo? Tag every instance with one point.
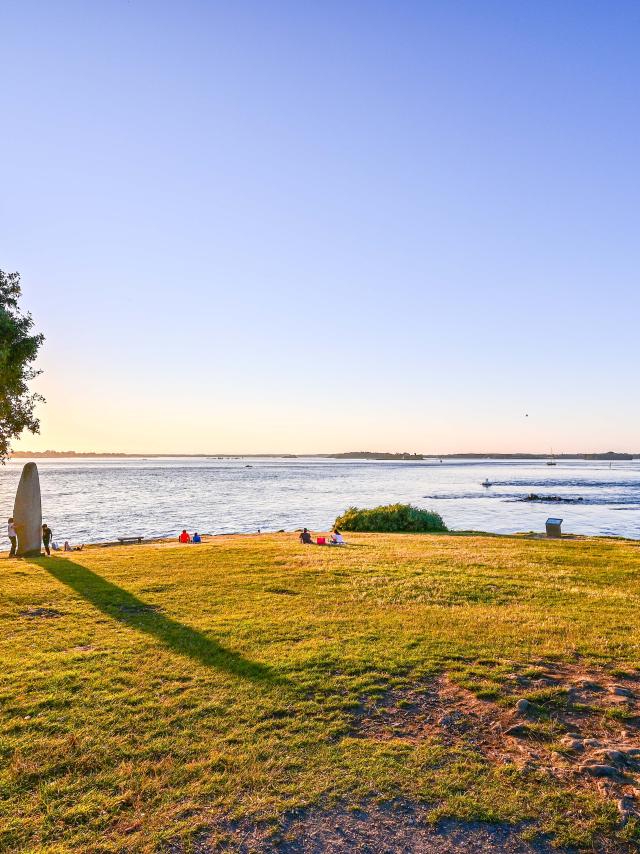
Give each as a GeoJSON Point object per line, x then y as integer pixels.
{"type": "Point", "coordinates": [305, 537]}
{"type": "Point", "coordinates": [196, 538]}
{"type": "Point", "coordinates": [336, 538]}
{"type": "Point", "coordinates": [69, 548]}
{"type": "Point", "coordinates": [184, 537]}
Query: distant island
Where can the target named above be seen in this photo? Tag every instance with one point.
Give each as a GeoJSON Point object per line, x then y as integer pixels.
{"type": "Point", "coordinates": [121, 455]}
{"type": "Point", "coordinates": [372, 455]}
{"type": "Point", "coordinates": [606, 455]}
{"type": "Point", "coordinates": [343, 455]}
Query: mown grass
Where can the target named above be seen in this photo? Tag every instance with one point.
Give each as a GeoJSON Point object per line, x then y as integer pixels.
{"type": "Point", "coordinates": [185, 687]}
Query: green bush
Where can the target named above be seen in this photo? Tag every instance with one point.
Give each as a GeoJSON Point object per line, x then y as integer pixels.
{"type": "Point", "coordinates": [392, 517]}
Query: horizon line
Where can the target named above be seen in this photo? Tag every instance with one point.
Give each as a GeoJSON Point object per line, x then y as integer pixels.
{"type": "Point", "coordinates": [70, 453]}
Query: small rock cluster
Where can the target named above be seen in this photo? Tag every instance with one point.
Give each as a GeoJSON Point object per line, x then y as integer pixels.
{"type": "Point", "coordinates": [577, 725]}
{"type": "Point", "coordinates": [613, 759]}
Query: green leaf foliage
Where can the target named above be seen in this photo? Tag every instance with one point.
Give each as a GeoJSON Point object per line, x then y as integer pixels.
{"type": "Point", "coordinates": [391, 518]}
{"type": "Point", "coordinates": [18, 350]}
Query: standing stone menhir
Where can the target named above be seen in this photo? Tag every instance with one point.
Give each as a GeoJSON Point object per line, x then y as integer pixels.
{"type": "Point", "coordinates": [27, 512]}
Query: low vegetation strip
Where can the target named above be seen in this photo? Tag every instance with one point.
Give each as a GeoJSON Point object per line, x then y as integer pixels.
{"type": "Point", "coordinates": [391, 518]}
{"type": "Point", "coordinates": [252, 693]}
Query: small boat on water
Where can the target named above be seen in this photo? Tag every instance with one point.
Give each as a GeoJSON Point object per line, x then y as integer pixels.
{"type": "Point", "coordinates": [486, 482]}
{"type": "Point", "coordinates": [551, 461]}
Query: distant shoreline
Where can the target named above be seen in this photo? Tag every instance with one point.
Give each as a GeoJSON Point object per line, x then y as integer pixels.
{"type": "Point", "coordinates": [348, 455]}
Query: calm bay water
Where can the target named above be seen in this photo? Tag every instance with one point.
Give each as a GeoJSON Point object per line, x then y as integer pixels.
{"type": "Point", "coordinates": [101, 499]}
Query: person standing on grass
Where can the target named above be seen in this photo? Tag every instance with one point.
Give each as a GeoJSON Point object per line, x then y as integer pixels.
{"type": "Point", "coordinates": [13, 536]}
{"type": "Point", "coordinates": [47, 533]}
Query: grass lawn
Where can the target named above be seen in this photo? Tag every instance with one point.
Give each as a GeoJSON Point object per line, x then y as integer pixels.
{"type": "Point", "coordinates": [177, 698]}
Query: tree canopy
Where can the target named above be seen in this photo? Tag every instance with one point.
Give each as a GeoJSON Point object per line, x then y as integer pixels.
{"type": "Point", "coordinates": [18, 350]}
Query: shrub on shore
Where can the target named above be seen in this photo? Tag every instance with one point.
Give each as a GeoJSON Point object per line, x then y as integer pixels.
{"type": "Point", "coordinates": [391, 518]}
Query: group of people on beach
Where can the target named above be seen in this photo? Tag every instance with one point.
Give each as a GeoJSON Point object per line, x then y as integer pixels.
{"type": "Point", "coordinates": [335, 538]}
{"type": "Point", "coordinates": [47, 540]}
{"type": "Point", "coordinates": [185, 537]}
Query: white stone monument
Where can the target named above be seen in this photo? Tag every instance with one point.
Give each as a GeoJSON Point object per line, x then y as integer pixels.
{"type": "Point", "coordinates": [27, 512]}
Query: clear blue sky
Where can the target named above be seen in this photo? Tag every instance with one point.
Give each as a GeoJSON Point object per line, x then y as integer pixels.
{"type": "Point", "coordinates": [277, 226]}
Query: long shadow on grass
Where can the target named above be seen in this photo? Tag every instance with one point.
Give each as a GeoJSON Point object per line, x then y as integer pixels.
{"type": "Point", "coordinates": [128, 609]}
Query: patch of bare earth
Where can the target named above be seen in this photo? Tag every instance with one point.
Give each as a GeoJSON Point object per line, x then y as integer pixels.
{"type": "Point", "coordinates": [41, 613]}
{"type": "Point", "coordinates": [396, 828]}
{"type": "Point", "coordinates": [399, 827]}
{"type": "Point", "coordinates": [580, 726]}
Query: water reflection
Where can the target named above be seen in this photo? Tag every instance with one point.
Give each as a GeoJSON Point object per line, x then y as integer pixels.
{"type": "Point", "coordinates": [98, 500]}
